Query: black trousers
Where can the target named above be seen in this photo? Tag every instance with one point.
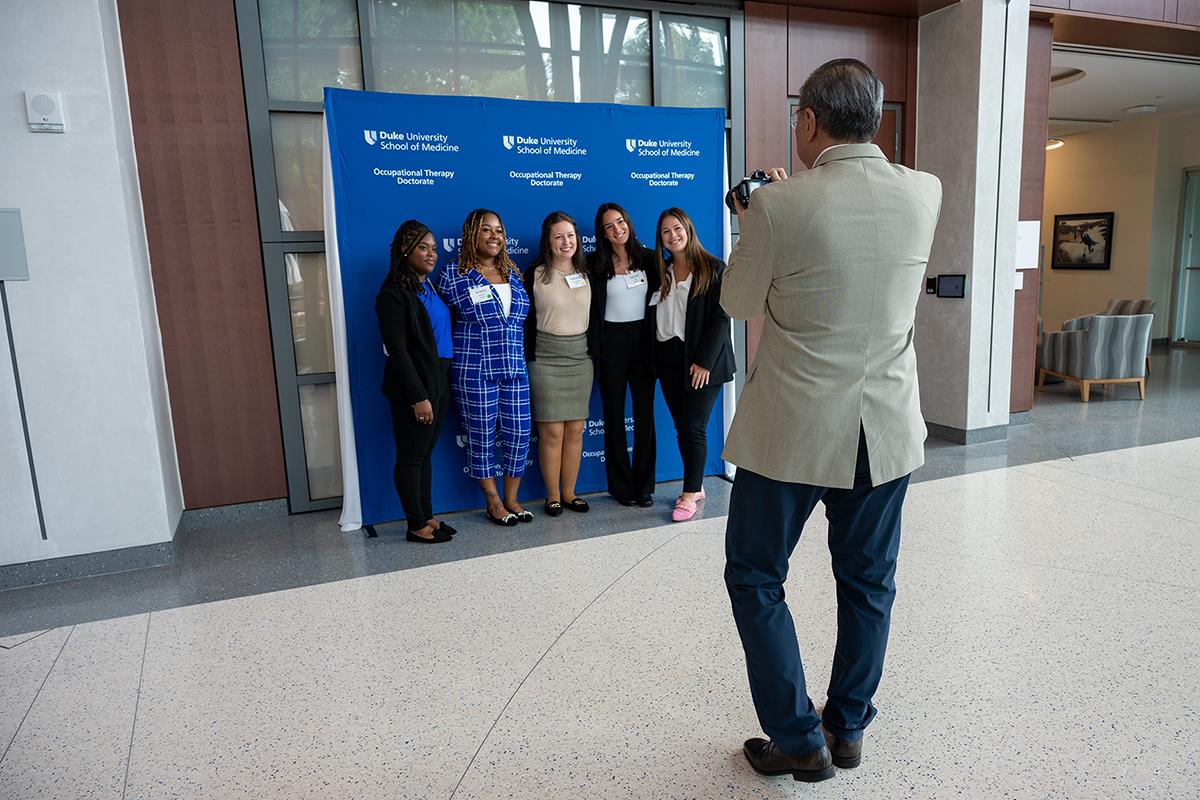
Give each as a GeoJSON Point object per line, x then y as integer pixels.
{"type": "Point", "coordinates": [626, 362]}
{"type": "Point", "coordinates": [414, 450]}
{"type": "Point", "coordinates": [690, 409]}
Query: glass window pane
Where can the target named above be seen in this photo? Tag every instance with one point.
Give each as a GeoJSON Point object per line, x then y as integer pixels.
{"type": "Point", "coordinates": [502, 48]}
{"type": "Point", "coordinates": [309, 44]}
{"type": "Point", "coordinates": [297, 141]}
{"type": "Point", "coordinates": [308, 303]}
{"type": "Point", "coordinates": [322, 440]}
{"type": "Point", "coordinates": [612, 64]}
{"type": "Point", "coordinates": [694, 58]}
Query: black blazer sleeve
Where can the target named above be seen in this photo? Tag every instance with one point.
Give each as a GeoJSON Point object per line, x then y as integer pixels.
{"type": "Point", "coordinates": [395, 315]}
{"type": "Point", "coordinates": [530, 318]}
{"type": "Point", "coordinates": [714, 348]}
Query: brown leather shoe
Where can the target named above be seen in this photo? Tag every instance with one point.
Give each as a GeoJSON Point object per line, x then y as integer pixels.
{"type": "Point", "coordinates": [846, 755]}
{"type": "Point", "coordinates": [767, 759]}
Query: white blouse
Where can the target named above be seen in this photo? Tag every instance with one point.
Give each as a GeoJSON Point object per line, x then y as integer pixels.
{"type": "Point", "coordinates": [504, 290]}
{"type": "Point", "coordinates": [672, 312]}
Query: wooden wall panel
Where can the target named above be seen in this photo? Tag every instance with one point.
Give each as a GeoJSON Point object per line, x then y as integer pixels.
{"type": "Point", "coordinates": [1188, 12]}
{"type": "Point", "coordinates": [189, 122]}
{"type": "Point", "coordinates": [1140, 9]}
{"type": "Point", "coordinates": [767, 139]}
{"type": "Point", "coordinates": [816, 36]}
{"type": "Point", "coordinates": [1033, 180]}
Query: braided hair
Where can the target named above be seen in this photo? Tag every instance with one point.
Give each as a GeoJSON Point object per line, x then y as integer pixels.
{"type": "Point", "coordinates": [400, 272]}
{"type": "Point", "coordinates": [468, 254]}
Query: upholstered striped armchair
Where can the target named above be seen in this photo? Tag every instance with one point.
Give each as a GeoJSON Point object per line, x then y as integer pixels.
{"type": "Point", "coordinates": [1121, 308]}
{"type": "Point", "coordinates": [1098, 349]}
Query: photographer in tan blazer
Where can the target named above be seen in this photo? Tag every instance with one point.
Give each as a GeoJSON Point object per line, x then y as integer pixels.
{"type": "Point", "coordinates": [834, 259]}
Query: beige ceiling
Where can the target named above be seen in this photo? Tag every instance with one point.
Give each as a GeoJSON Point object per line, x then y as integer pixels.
{"type": "Point", "coordinates": [1115, 81]}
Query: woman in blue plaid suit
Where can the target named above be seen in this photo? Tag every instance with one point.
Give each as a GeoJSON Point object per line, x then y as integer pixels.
{"type": "Point", "coordinates": [488, 378]}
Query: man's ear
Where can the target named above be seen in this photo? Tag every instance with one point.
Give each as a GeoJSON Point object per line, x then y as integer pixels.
{"type": "Point", "coordinates": [809, 125]}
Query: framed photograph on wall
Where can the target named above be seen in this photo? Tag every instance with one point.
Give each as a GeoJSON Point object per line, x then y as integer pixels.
{"type": "Point", "coordinates": [1083, 241]}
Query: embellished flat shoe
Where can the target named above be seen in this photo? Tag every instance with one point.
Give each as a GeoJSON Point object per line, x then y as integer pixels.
{"type": "Point", "coordinates": [438, 537]}
{"type": "Point", "coordinates": [553, 508]}
{"type": "Point", "coordinates": [577, 504]}
{"type": "Point", "coordinates": [508, 520]}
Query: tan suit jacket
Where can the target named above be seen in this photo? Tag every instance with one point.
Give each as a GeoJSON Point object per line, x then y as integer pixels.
{"type": "Point", "coordinates": [835, 259]}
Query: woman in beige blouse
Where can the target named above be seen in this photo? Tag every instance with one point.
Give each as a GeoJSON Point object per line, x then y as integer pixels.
{"type": "Point", "coordinates": [556, 351]}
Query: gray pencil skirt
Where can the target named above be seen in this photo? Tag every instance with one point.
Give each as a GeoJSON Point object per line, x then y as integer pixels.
{"type": "Point", "coordinates": [560, 378]}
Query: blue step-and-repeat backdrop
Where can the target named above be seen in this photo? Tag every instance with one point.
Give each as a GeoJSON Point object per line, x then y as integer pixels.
{"type": "Point", "coordinates": [395, 157]}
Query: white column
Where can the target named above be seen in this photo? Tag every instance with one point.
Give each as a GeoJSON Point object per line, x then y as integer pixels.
{"type": "Point", "coordinates": [970, 115]}
{"type": "Point", "coordinates": [85, 326]}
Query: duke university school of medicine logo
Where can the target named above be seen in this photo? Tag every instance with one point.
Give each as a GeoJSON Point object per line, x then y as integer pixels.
{"type": "Point", "coordinates": [631, 145]}
{"type": "Point", "coordinates": [509, 142]}
{"type": "Point", "coordinates": [450, 244]}
{"type": "Point", "coordinates": [371, 137]}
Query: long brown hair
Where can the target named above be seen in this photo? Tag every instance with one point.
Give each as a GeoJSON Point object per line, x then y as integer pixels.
{"type": "Point", "coordinates": [400, 272]}
{"type": "Point", "coordinates": [602, 259]}
{"type": "Point", "coordinates": [703, 264]}
{"type": "Point", "coordinates": [545, 256]}
{"type": "Point", "coordinates": [468, 254]}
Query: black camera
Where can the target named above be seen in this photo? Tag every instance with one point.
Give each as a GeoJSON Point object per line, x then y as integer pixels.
{"type": "Point", "coordinates": [744, 187]}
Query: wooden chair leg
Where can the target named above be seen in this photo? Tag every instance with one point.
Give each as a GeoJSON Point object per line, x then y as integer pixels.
{"type": "Point", "coordinates": [1085, 389]}
{"type": "Point", "coordinates": [1142, 389]}
{"type": "Point", "coordinates": [1147, 365]}
{"type": "Point", "coordinates": [1041, 378]}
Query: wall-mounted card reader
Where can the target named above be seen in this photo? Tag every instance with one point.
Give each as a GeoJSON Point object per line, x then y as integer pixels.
{"type": "Point", "coordinates": [946, 285]}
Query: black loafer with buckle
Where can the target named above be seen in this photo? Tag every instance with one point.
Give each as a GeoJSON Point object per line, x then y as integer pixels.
{"type": "Point", "coordinates": [577, 504]}
{"type": "Point", "coordinates": [553, 508]}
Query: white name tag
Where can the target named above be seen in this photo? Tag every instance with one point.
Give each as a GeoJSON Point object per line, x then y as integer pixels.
{"type": "Point", "coordinates": [480, 294]}
{"type": "Point", "coordinates": [575, 280]}
{"type": "Point", "coordinates": [635, 279]}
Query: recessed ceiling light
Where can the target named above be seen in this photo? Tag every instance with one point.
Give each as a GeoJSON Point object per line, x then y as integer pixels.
{"type": "Point", "coordinates": [1061, 76]}
{"type": "Point", "coordinates": [1054, 144]}
{"type": "Point", "coordinates": [1146, 109]}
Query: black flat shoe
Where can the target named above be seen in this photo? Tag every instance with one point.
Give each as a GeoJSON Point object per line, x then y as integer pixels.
{"type": "Point", "coordinates": [645, 501]}
{"type": "Point", "coordinates": [628, 502]}
{"type": "Point", "coordinates": [449, 530]}
{"type": "Point", "coordinates": [524, 516]}
{"type": "Point", "coordinates": [767, 759]}
{"type": "Point", "coordinates": [553, 508]}
{"type": "Point", "coordinates": [508, 520]}
{"type": "Point", "coordinates": [578, 504]}
{"type": "Point", "coordinates": [438, 538]}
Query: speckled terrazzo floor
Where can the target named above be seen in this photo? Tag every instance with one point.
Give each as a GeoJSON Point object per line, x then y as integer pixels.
{"type": "Point", "coordinates": [1045, 644]}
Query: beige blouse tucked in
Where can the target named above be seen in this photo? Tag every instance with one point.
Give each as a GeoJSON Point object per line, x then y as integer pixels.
{"type": "Point", "coordinates": [561, 310]}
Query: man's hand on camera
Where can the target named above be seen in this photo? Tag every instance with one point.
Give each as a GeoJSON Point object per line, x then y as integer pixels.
{"type": "Point", "coordinates": [777, 174]}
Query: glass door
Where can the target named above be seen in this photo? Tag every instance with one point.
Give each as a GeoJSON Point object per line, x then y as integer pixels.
{"type": "Point", "coordinates": [1187, 301]}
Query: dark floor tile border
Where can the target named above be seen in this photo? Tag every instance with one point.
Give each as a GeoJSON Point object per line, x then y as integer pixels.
{"type": "Point", "coordinates": [1020, 418]}
{"type": "Point", "coordinates": [972, 436]}
{"type": "Point", "coordinates": [86, 565]}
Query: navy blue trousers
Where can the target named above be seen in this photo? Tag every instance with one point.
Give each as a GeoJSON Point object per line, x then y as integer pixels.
{"type": "Point", "coordinates": [766, 518]}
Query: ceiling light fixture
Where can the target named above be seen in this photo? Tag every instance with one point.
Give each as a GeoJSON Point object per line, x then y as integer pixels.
{"type": "Point", "coordinates": [1146, 109]}
{"type": "Point", "coordinates": [1054, 144]}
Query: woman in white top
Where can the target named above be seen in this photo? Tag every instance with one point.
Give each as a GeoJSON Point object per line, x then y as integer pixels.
{"type": "Point", "coordinates": [620, 338]}
{"type": "Point", "coordinates": [693, 354]}
{"type": "Point", "coordinates": [556, 350]}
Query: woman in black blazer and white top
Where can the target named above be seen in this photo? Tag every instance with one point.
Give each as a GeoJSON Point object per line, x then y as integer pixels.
{"type": "Point", "coordinates": [620, 336]}
{"type": "Point", "coordinates": [415, 326]}
{"type": "Point", "coordinates": [693, 354]}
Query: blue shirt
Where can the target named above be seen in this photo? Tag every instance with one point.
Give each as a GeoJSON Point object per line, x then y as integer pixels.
{"type": "Point", "coordinates": [487, 342]}
{"type": "Point", "coordinates": [439, 317]}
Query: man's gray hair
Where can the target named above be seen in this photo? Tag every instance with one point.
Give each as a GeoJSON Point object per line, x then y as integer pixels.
{"type": "Point", "coordinates": [846, 97]}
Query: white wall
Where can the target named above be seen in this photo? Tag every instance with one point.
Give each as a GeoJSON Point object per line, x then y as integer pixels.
{"type": "Point", "coordinates": [971, 86]}
{"type": "Point", "coordinates": [85, 325]}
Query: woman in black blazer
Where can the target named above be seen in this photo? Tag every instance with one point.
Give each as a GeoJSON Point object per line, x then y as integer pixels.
{"type": "Point", "coordinates": [415, 326]}
{"type": "Point", "coordinates": [620, 335]}
{"type": "Point", "coordinates": [693, 353]}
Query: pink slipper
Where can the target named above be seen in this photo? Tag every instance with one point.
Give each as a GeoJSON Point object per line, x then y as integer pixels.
{"type": "Point", "coordinates": [684, 509]}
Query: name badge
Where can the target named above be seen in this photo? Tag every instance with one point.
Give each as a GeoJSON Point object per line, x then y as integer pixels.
{"type": "Point", "coordinates": [480, 294]}
{"type": "Point", "coordinates": [575, 280]}
{"type": "Point", "coordinates": [635, 279]}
